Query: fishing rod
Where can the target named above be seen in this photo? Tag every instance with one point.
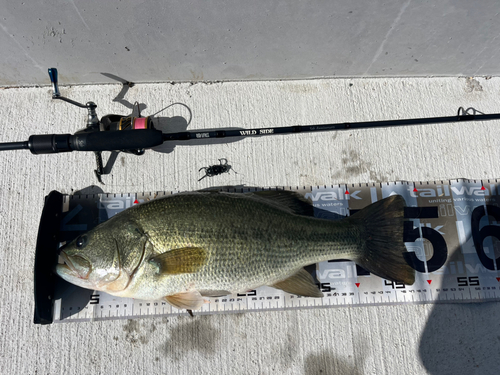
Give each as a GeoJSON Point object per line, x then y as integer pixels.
{"type": "Point", "coordinates": [136, 134]}
{"type": "Point", "coordinates": [463, 115]}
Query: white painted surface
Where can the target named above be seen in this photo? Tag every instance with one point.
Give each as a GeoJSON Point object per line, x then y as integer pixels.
{"type": "Point", "coordinates": [434, 339]}
{"type": "Point", "coordinates": [196, 40]}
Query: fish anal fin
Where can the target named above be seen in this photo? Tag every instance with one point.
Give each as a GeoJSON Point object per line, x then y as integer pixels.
{"type": "Point", "coordinates": [182, 260]}
{"type": "Point", "coordinates": [300, 283]}
{"type": "Point", "coordinates": [187, 300]}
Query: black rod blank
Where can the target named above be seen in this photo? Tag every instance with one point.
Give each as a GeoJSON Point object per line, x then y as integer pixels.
{"type": "Point", "coordinates": [200, 134]}
{"type": "Point", "coordinates": [7, 146]}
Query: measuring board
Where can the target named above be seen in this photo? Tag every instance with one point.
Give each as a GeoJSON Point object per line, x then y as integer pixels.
{"type": "Point", "coordinates": [452, 236]}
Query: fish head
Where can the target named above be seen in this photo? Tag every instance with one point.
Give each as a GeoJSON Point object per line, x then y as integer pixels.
{"type": "Point", "coordinates": [104, 258]}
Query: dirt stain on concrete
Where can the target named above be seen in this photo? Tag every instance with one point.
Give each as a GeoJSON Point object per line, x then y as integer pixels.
{"type": "Point", "coordinates": [136, 334]}
{"type": "Point", "coordinates": [354, 165]}
{"type": "Point", "coordinates": [472, 85]}
{"type": "Point", "coordinates": [192, 335]}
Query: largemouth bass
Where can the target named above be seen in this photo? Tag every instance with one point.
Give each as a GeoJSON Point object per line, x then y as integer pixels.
{"type": "Point", "coordinates": [186, 246]}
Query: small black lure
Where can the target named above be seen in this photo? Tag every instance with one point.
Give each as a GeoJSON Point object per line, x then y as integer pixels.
{"type": "Point", "coordinates": [214, 170]}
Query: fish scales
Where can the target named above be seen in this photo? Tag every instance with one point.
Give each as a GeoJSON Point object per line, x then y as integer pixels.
{"type": "Point", "coordinates": [248, 241]}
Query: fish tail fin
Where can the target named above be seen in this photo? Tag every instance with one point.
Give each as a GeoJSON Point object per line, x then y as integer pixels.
{"type": "Point", "coordinates": [382, 252]}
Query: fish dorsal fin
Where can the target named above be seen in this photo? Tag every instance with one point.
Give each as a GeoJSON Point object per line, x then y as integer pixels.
{"type": "Point", "coordinates": [188, 300]}
{"type": "Point", "coordinates": [289, 200]}
{"type": "Point", "coordinates": [182, 260]}
{"type": "Point", "coordinates": [301, 284]}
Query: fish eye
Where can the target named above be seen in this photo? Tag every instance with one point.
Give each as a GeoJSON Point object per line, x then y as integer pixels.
{"type": "Point", "coordinates": [81, 241]}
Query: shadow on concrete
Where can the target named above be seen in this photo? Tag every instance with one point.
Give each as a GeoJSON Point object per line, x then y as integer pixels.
{"type": "Point", "coordinates": [178, 124]}
{"type": "Point", "coordinates": [120, 98]}
{"type": "Point", "coordinates": [462, 339]}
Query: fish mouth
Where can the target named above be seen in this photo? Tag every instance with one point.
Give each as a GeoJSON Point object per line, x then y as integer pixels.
{"type": "Point", "coordinates": [74, 265]}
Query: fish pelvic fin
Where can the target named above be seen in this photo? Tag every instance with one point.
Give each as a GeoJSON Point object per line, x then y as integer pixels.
{"type": "Point", "coordinates": [188, 300]}
{"type": "Point", "coordinates": [301, 284]}
{"type": "Point", "coordinates": [182, 260]}
{"type": "Point", "coordinates": [383, 251]}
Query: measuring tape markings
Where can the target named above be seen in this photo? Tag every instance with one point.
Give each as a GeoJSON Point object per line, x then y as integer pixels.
{"type": "Point", "coordinates": [458, 273]}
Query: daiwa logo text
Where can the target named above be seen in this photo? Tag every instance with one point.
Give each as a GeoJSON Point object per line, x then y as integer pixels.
{"type": "Point", "coordinates": [447, 191]}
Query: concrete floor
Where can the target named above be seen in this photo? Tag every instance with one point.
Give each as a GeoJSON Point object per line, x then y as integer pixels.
{"type": "Point", "coordinates": [403, 339]}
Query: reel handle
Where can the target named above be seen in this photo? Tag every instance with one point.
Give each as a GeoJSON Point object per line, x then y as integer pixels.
{"type": "Point", "coordinates": [53, 79]}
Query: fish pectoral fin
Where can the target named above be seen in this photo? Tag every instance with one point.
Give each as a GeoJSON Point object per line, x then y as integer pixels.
{"type": "Point", "coordinates": [187, 300]}
{"type": "Point", "coordinates": [183, 260]}
{"type": "Point", "coordinates": [301, 284]}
